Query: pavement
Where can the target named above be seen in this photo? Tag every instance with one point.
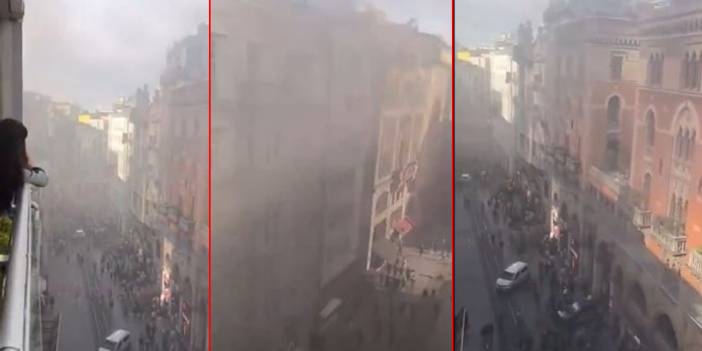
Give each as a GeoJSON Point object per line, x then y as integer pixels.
{"type": "Point", "coordinates": [65, 282]}
{"type": "Point", "coordinates": [401, 319]}
{"type": "Point", "coordinates": [432, 268]}
{"type": "Point", "coordinates": [472, 283]}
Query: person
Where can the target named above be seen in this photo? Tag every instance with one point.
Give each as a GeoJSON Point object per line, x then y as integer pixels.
{"type": "Point", "coordinates": [16, 168]}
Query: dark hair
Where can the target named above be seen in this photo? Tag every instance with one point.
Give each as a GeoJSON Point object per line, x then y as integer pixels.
{"type": "Point", "coordinates": [13, 160]}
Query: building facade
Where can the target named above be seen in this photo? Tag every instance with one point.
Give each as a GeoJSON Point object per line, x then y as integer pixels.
{"type": "Point", "coordinates": [617, 139]}
{"type": "Point", "coordinates": [294, 167]}
{"type": "Point", "coordinates": [169, 185]}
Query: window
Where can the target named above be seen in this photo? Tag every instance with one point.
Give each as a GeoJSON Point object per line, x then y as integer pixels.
{"type": "Point", "coordinates": [655, 69]}
{"type": "Point", "coordinates": [694, 72]}
{"type": "Point", "coordinates": [699, 186]}
{"type": "Point", "coordinates": [615, 67]}
{"type": "Point", "coordinates": [659, 69]}
{"type": "Point", "coordinates": [647, 189]}
{"type": "Point", "coordinates": [693, 140]}
{"type": "Point", "coordinates": [650, 129]}
{"type": "Point", "coordinates": [673, 202]}
{"type": "Point", "coordinates": [381, 204]}
{"type": "Point", "coordinates": [613, 109]}
{"type": "Point", "coordinates": [685, 71]}
{"type": "Point", "coordinates": [685, 152]}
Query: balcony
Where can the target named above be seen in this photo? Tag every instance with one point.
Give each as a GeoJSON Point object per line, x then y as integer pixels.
{"type": "Point", "coordinates": [641, 214]}
{"type": "Point", "coordinates": [695, 262]}
{"type": "Point", "coordinates": [21, 326]}
{"type": "Point", "coordinates": [642, 217]}
{"type": "Point", "coordinates": [608, 183]}
{"type": "Point", "coordinates": [671, 236]}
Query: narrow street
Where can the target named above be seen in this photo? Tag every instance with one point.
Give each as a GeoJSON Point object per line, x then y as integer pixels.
{"type": "Point", "coordinates": [478, 264]}
{"type": "Point", "coordinates": [524, 316]}
{"type": "Point", "coordinates": [80, 295]}
{"type": "Point", "coordinates": [66, 283]}
{"type": "Point", "coordinates": [85, 320]}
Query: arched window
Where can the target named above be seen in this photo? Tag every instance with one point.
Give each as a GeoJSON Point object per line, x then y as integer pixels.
{"type": "Point", "coordinates": [611, 156]}
{"type": "Point", "coordinates": [651, 69]}
{"type": "Point", "coordinates": [650, 128]}
{"type": "Point", "coordinates": [678, 143]}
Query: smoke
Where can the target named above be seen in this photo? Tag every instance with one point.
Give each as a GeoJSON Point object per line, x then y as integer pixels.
{"type": "Point", "coordinates": [480, 22]}
{"type": "Point", "coordinates": [432, 16]}
{"type": "Point", "coordinates": [93, 51]}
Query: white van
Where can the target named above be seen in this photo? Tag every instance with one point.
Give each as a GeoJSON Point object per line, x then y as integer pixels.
{"type": "Point", "coordinates": [119, 340]}
{"type": "Point", "coordinates": [515, 274]}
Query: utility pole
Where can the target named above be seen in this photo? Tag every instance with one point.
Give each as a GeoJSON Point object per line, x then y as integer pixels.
{"type": "Point", "coordinates": [11, 14]}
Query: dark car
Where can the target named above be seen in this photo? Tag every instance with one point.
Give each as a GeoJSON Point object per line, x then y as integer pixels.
{"type": "Point", "coordinates": [577, 313]}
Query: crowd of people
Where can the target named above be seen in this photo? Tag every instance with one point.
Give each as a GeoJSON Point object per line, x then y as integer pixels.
{"type": "Point", "coordinates": [517, 207]}
{"type": "Point", "coordinates": [132, 270]}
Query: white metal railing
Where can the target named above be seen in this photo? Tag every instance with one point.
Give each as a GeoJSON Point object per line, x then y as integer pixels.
{"type": "Point", "coordinates": [20, 327]}
{"type": "Point", "coordinates": [642, 217]}
{"type": "Point", "coordinates": [695, 262]}
{"type": "Point", "coordinates": [613, 181]}
{"type": "Point", "coordinates": [671, 238]}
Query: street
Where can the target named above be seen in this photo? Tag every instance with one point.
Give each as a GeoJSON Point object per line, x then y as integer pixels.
{"type": "Point", "coordinates": [523, 318]}
{"type": "Point", "coordinates": [99, 286]}
{"type": "Point", "coordinates": [85, 321]}
{"type": "Point", "coordinates": [478, 263]}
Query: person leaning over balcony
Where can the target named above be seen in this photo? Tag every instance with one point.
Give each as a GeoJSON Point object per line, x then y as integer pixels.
{"type": "Point", "coordinates": [15, 169]}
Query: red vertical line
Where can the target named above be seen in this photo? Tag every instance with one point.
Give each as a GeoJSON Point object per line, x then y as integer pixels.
{"type": "Point", "coordinates": [453, 175]}
{"type": "Point", "coordinates": [209, 176]}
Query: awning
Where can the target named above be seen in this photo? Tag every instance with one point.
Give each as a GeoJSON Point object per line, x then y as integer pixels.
{"type": "Point", "coordinates": [403, 226]}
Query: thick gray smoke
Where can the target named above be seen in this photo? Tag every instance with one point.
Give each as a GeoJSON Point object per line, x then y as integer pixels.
{"type": "Point", "coordinates": [94, 50]}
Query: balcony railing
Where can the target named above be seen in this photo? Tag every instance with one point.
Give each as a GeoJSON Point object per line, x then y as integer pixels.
{"type": "Point", "coordinates": [642, 217]}
{"type": "Point", "coordinates": [610, 182]}
{"type": "Point", "coordinates": [20, 326]}
{"type": "Point", "coordinates": [695, 262]}
{"type": "Point", "coordinates": [641, 214]}
{"type": "Point", "coordinates": [671, 236]}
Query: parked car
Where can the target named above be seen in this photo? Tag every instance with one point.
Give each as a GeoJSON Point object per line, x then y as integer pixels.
{"type": "Point", "coordinates": [79, 234]}
{"type": "Point", "coordinates": [464, 178]}
{"type": "Point", "coordinates": [512, 276]}
{"type": "Point", "coordinates": [578, 312]}
{"type": "Point", "coordinates": [119, 340]}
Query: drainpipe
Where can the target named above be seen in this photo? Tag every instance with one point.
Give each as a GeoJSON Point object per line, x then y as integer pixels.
{"type": "Point", "coordinates": [11, 14]}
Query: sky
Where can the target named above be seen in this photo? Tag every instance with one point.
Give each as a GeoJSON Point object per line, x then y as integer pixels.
{"type": "Point", "coordinates": [480, 22]}
{"type": "Point", "coordinates": [433, 16]}
{"type": "Point", "coordinates": [92, 52]}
